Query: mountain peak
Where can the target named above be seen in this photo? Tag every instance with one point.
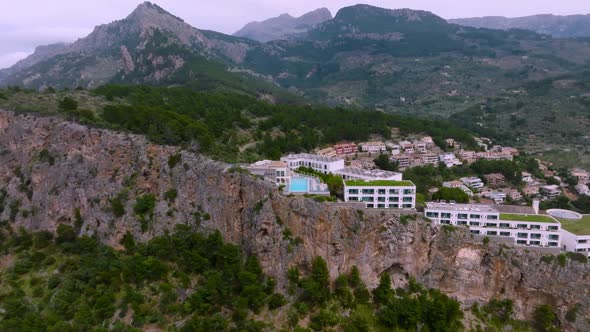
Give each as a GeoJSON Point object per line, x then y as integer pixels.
{"type": "Point", "coordinates": [148, 11]}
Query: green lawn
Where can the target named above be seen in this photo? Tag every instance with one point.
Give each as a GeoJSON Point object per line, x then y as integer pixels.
{"type": "Point", "coordinates": [578, 227]}
{"type": "Point", "coordinates": [527, 218]}
{"type": "Point", "coordinates": [379, 183]}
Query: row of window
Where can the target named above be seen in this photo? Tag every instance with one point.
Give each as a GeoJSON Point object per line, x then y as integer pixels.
{"type": "Point", "coordinates": [523, 242]}
{"type": "Point", "coordinates": [461, 216]}
{"type": "Point", "coordinates": [380, 191]}
{"type": "Point", "coordinates": [501, 225]}
{"type": "Point", "coordinates": [390, 206]}
{"type": "Point", "coordinates": [407, 199]}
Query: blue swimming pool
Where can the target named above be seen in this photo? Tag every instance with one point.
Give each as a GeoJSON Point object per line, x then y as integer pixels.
{"type": "Point", "coordinates": [299, 185]}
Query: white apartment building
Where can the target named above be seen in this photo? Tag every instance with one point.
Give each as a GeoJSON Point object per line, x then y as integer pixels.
{"type": "Point", "coordinates": [527, 177]}
{"type": "Point", "coordinates": [526, 230]}
{"type": "Point", "coordinates": [353, 173]}
{"type": "Point", "coordinates": [373, 147]}
{"type": "Point", "coordinates": [381, 194]}
{"type": "Point", "coordinates": [449, 159]}
{"type": "Point", "coordinates": [276, 171]}
{"type": "Point", "coordinates": [402, 160]}
{"type": "Point", "coordinates": [576, 235]}
{"type": "Point", "coordinates": [430, 159]}
{"type": "Point", "coordinates": [420, 147]}
{"type": "Point", "coordinates": [395, 148]}
{"type": "Point", "coordinates": [583, 189]}
{"type": "Point", "coordinates": [323, 164]}
{"type": "Point", "coordinates": [473, 183]}
{"type": "Point", "coordinates": [460, 185]}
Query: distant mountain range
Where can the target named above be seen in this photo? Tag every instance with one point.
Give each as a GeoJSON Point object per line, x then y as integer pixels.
{"type": "Point", "coordinates": [553, 25]}
{"type": "Point", "coordinates": [284, 26]}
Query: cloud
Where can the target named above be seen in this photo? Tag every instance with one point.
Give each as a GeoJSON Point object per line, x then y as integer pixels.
{"type": "Point", "coordinates": [9, 59]}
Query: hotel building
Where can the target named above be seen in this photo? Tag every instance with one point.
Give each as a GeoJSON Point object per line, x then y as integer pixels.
{"type": "Point", "coordinates": [322, 164]}
{"type": "Point", "coordinates": [381, 194]}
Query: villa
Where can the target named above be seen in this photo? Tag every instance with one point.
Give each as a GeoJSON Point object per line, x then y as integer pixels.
{"type": "Point", "coordinates": [276, 171]}
{"type": "Point", "coordinates": [527, 177]}
{"type": "Point", "coordinates": [449, 159]}
{"type": "Point", "coordinates": [346, 148]}
{"type": "Point", "coordinates": [381, 194]}
{"type": "Point", "coordinates": [473, 182]}
{"type": "Point", "coordinates": [322, 164]}
{"type": "Point", "coordinates": [525, 229]}
{"type": "Point", "coordinates": [373, 147]}
{"type": "Point", "coordinates": [495, 180]}
{"type": "Point", "coordinates": [583, 189]}
{"type": "Point", "coordinates": [551, 191]}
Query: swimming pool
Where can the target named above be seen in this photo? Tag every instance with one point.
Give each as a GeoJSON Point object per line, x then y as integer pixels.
{"type": "Point", "coordinates": [299, 185]}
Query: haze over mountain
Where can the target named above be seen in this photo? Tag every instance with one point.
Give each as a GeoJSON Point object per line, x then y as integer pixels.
{"type": "Point", "coordinates": [553, 25]}
{"type": "Point", "coordinates": [284, 26]}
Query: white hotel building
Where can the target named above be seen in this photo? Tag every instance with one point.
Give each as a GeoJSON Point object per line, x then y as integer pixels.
{"type": "Point", "coordinates": [323, 164]}
{"type": "Point", "coordinates": [381, 194]}
{"type": "Point", "coordinates": [525, 229]}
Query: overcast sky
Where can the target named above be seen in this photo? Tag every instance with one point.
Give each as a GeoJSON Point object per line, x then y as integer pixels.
{"type": "Point", "coordinates": [25, 24]}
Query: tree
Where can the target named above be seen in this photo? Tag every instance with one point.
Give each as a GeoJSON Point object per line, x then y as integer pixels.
{"type": "Point", "coordinates": [383, 292]}
{"type": "Point", "coordinates": [68, 104]}
{"type": "Point", "coordinates": [384, 163]}
{"type": "Point", "coordinates": [451, 194]}
{"type": "Point", "coordinates": [544, 317]}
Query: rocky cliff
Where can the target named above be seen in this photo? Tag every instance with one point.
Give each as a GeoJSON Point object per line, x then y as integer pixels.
{"type": "Point", "coordinates": [55, 172]}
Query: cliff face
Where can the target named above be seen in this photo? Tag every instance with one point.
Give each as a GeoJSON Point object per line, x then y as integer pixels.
{"type": "Point", "coordinates": [50, 169]}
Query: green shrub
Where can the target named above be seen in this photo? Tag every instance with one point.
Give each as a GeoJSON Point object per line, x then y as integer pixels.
{"type": "Point", "coordinates": [486, 240]}
{"type": "Point", "coordinates": [174, 160]}
{"type": "Point", "coordinates": [171, 195]}
{"type": "Point", "coordinates": [68, 104]}
{"type": "Point", "coordinates": [547, 259]}
{"type": "Point", "coordinates": [144, 205]}
{"type": "Point", "coordinates": [562, 260]}
{"type": "Point", "coordinates": [578, 257]}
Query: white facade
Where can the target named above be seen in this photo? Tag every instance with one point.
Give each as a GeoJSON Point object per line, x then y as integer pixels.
{"type": "Point", "coordinates": [352, 173]}
{"type": "Point", "coordinates": [373, 147]}
{"type": "Point", "coordinates": [485, 220]}
{"type": "Point", "coordinates": [583, 189]}
{"type": "Point", "coordinates": [381, 194]}
{"type": "Point", "coordinates": [473, 183]}
{"type": "Point", "coordinates": [323, 164]}
{"type": "Point", "coordinates": [575, 243]}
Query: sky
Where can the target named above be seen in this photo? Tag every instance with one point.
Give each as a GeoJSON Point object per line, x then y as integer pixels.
{"type": "Point", "coordinates": [25, 24]}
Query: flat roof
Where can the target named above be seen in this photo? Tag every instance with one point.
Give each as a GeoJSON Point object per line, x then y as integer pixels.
{"type": "Point", "coordinates": [311, 157]}
{"type": "Point", "coordinates": [378, 183]}
{"type": "Point", "coordinates": [374, 173]}
{"type": "Point", "coordinates": [577, 227]}
{"type": "Point", "coordinates": [527, 218]}
{"type": "Point", "coordinates": [461, 207]}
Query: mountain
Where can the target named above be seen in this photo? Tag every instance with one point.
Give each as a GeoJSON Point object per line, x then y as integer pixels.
{"type": "Point", "coordinates": [283, 26]}
{"type": "Point", "coordinates": [149, 46]}
{"type": "Point", "coordinates": [557, 26]}
{"type": "Point", "coordinates": [41, 53]}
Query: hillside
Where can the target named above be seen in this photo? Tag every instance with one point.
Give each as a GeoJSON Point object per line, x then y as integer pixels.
{"type": "Point", "coordinates": [114, 187]}
{"type": "Point", "coordinates": [571, 26]}
{"type": "Point", "coordinates": [284, 26]}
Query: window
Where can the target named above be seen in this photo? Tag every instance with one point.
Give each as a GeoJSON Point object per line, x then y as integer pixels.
{"type": "Point", "coordinates": [381, 206]}
{"type": "Point", "coordinates": [535, 236]}
{"type": "Point", "coordinates": [407, 206]}
{"type": "Point", "coordinates": [462, 216]}
{"type": "Point", "coordinates": [522, 226]}
{"type": "Point", "coordinates": [462, 222]}
{"type": "Point", "coordinates": [491, 225]}
{"type": "Point", "coordinates": [432, 214]}
{"type": "Point", "coordinates": [475, 232]}
{"type": "Point", "coordinates": [504, 225]}
{"type": "Point", "coordinates": [393, 199]}
{"type": "Point", "coordinates": [554, 237]}
{"type": "Point", "coordinates": [408, 191]}
{"type": "Point", "coordinates": [445, 215]}
{"type": "Point", "coordinates": [535, 243]}
{"type": "Point", "coordinates": [553, 228]}
{"type": "Point", "coordinates": [492, 217]}
{"type": "Point", "coordinates": [473, 223]}
{"type": "Point", "coordinates": [353, 191]}
{"type": "Point", "coordinates": [369, 191]}
{"type": "Point", "coordinates": [445, 222]}
{"type": "Point", "coordinates": [535, 226]}
{"type": "Point", "coordinates": [553, 244]}
{"type": "Point", "coordinates": [521, 242]}
{"type": "Point", "coordinates": [368, 199]}
{"type": "Point", "coordinates": [394, 191]}
{"type": "Point", "coordinates": [579, 241]}
{"type": "Point", "coordinates": [393, 206]}
{"type": "Point", "coordinates": [493, 233]}
{"type": "Point", "coordinates": [523, 236]}
{"type": "Point", "coordinates": [381, 191]}
{"type": "Point", "coordinates": [370, 206]}
{"type": "Point", "coordinates": [475, 216]}
{"type": "Point", "coordinates": [504, 233]}
{"type": "Point", "coordinates": [381, 199]}
{"type": "Point", "coordinates": [353, 199]}
{"type": "Point", "coordinates": [408, 199]}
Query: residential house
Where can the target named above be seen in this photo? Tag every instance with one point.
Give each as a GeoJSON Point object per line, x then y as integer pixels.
{"type": "Point", "coordinates": [468, 156]}
{"type": "Point", "coordinates": [527, 177]}
{"type": "Point", "coordinates": [402, 160]}
{"type": "Point", "coordinates": [459, 185]}
{"type": "Point", "coordinates": [551, 191]}
{"type": "Point", "coordinates": [582, 176]}
{"type": "Point", "coordinates": [420, 147]}
{"type": "Point", "coordinates": [328, 152]}
{"type": "Point", "coordinates": [495, 180]}
{"type": "Point", "coordinates": [449, 159]}
{"type": "Point", "coordinates": [473, 182]}
{"type": "Point", "coordinates": [429, 159]}
{"type": "Point", "coordinates": [514, 194]}
{"type": "Point", "coordinates": [583, 189]}
{"type": "Point", "coordinates": [346, 148]}
{"type": "Point", "coordinates": [531, 191]}
{"type": "Point", "coordinates": [276, 171]}
{"type": "Point", "coordinates": [373, 147]}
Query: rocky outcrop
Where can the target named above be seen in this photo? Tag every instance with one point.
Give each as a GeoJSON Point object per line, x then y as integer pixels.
{"type": "Point", "coordinates": [53, 171]}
